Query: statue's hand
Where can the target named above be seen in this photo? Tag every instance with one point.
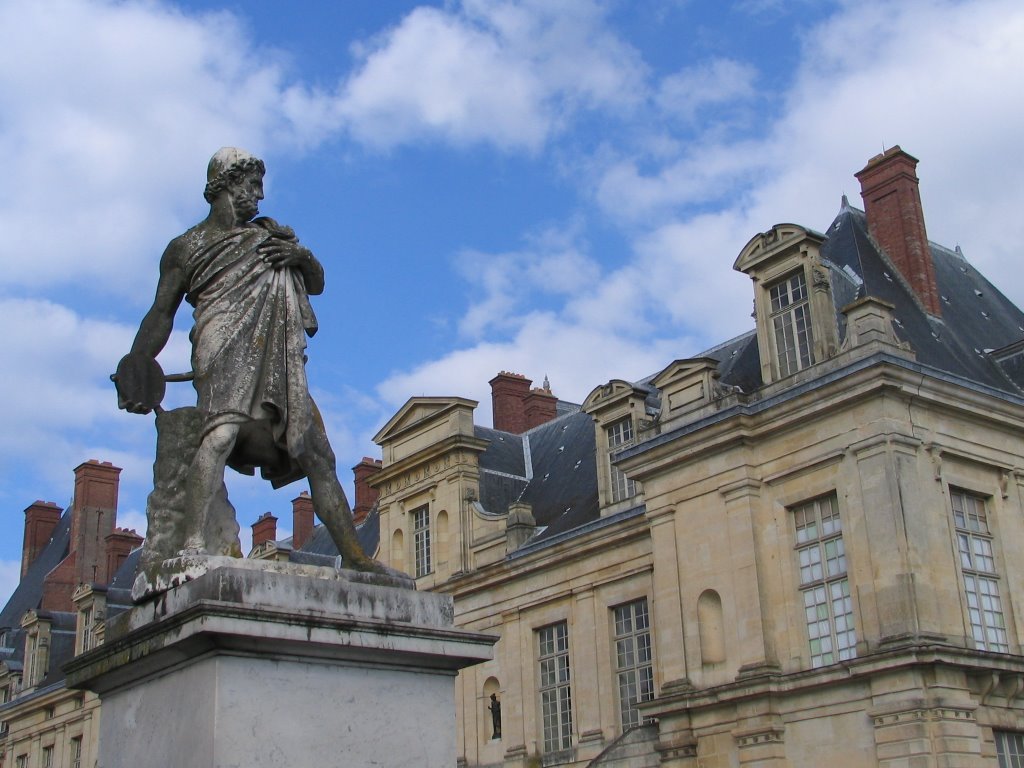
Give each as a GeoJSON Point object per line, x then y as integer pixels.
{"type": "Point", "coordinates": [283, 253]}
{"type": "Point", "coordinates": [140, 383]}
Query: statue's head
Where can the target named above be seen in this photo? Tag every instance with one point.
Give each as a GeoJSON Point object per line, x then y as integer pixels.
{"type": "Point", "coordinates": [238, 172]}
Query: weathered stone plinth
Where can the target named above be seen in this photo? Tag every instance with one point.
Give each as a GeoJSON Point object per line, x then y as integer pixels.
{"type": "Point", "coordinates": [288, 668]}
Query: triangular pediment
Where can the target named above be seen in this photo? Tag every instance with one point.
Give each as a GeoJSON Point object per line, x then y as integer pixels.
{"type": "Point", "coordinates": [779, 241]}
{"type": "Point", "coordinates": [683, 371]}
{"type": "Point", "coordinates": [421, 412]}
{"type": "Point", "coordinates": [609, 393]}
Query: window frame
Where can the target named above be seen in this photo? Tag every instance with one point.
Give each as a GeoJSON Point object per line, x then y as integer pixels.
{"type": "Point", "coordinates": [421, 541]}
{"type": "Point", "coordinates": [789, 317]}
{"type": "Point", "coordinates": [619, 434]}
{"type": "Point", "coordinates": [823, 579]}
{"type": "Point", "coordinates": [554, 665]}
{"type": "Point", "coordinates": [636, 640]}
{"type": "Point", "coordinates": [974, 544]}
{"type": "Point", "coordinates": [1009, 748]}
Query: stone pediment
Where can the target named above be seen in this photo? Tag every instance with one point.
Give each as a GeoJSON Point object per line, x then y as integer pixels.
{"type": "Point", "coordinates": [422, 412]}
{"type": "Point", "coordinates": [781, 240]}
{"type": "Point", "coordinates": [609, 393]}
{"type": "Point", "coordinates": [687, 384]}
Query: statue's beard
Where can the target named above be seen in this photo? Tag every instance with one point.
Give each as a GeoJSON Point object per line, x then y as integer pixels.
{"type": "Point", "coordinates": [246, 207]}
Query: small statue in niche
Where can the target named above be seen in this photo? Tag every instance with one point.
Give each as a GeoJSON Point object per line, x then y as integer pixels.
{"type": "Point", "coordinates": [495, 710]}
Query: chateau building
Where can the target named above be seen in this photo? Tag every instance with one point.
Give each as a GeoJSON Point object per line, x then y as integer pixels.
{"type": "Point", "coordinates": [793, 549]}
{"type": "Point", "coordinates": [76, 571]}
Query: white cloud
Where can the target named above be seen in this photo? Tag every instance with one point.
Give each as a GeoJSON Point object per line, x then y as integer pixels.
{"type": "Point", "coordinates": [507, 73]}
{"type": "Point", "coordinates": [935, 77]}
{"type": "Point", "coordinates": [713, 83]}
{"type": "Point", "coordinates": [110, 111]}
{"type": "Point", "coordinates": [574, 358]}
{"type": "Point", "coordinates": [60, 405]}
{"type": "Point", "coordinates": [551, 265]}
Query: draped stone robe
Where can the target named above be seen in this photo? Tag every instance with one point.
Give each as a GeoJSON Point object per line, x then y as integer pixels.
{"type": "Point", "coordinates": [248, 347]}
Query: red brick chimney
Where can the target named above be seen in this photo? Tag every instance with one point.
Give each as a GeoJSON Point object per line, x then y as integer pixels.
{"type": "Point", "coordinates": [366, 495]}
{"type": "Point", "coordinates": [539, 405]}
{"type": "Point", "coordinates": [508, 396]}
{"type": "Point", "coordinates": [94, 513]}
{"type": "Point", "coordinates": [302, 519]}
{"type": "Point", "coordinates": [892, 203]}
{"type": "Point", "coordinates": [264, 530]}
{"type": "Point", "coordinates": [40, 520]}
{"type": "Point", "coordinates": [120, 543]}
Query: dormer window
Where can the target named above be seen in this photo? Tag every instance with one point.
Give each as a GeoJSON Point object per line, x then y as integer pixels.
{"type": "Point", "coordinates": [617, 409]}
{"type": "Point", "coordinates": [620, 434]}
{"type": "Point", "coordinates": [791, 324]}
{"type": "Point", "coordinates": [793, 305]}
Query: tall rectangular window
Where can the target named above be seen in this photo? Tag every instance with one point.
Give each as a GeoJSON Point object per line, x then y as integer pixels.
{"type": "Point", "coordinates": [620, 434]}
{"type": "Point", "coordinates": [555, 690]}
{"type": "Point", "coordinates": [76, 752]}
{"type": "Point", "coordinates": [86, 617]}
{"type": "Point", "coordinates": [633, 663]}
{"type": "Point", "coordinates": [1009, 749]}
{"type": "Point", "coordinates": [791, 324]}
{"type": "Point", "coordinates": [978, 565]}
{"type": "Point", "coordinates": [421, 540]}
{"type": "Point", "coordinates": [47, 761]}
{"type": "Point", "coordinates": [21, 761]}
{"type": "Point", "coordinates": [828, 609]}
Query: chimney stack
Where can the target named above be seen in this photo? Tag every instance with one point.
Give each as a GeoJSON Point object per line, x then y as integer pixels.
{"type": "Point", "coordinates": [264, 530]}
{"type": "Point", "coordinates": [366, 495]}
{"type": "Point", "coordinates": [302, 519]}
{"type": "Point", "coordinates": [95, 513]}
{"type": "Point", "coordinates": [508, 396]}
{"type": "Point", "coordinates": [40, 520]}
{"type": "Point", "coordinates": [892, 203]}
{"type": "Point", "coordinates": [93, 516]}
{"type": "Point", "coordinates": [539, 405]}
{"type": "Point", "coordinates": [120, 543]}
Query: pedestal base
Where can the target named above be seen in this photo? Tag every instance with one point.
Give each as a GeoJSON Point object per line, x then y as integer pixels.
{"type": "Point", "coordinates": [243, 668]}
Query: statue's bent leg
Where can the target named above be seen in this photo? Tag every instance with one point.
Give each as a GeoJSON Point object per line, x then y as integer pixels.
{"type": "Point", "coordinates": [205, 479]}
{"type": "Point", "coordinates": [329, 501]}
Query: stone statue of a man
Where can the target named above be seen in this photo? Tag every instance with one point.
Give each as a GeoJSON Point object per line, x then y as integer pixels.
{"type": "Point", "coordinates": [248, 280]}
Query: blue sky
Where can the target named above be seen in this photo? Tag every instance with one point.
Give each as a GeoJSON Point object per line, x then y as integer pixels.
{"type": "Point", "coordinates": [554, 187]}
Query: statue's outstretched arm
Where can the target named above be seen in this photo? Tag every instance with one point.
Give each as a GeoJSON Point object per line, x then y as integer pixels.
{"type": "Point", "coordinates": [155, 329]}
{"type": "Point", "coordinates": [138, 371]}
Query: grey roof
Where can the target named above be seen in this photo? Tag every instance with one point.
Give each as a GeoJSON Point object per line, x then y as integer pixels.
{"type": "Point", "coordinates": [29, 593]}
{"type": "Point", "coordinates": [560, 481]}
{"type": "Point", "coordinates": [976, 316]}
{"type": "Point", "coordinates": [321, 550]}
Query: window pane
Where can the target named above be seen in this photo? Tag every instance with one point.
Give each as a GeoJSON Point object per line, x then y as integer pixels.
{"type": "Point", "coordinates": [828, 606]}
{"type": "Point", "coordinates": [634, 669]}
{"type": "Point", "coordinates": [555, 693]}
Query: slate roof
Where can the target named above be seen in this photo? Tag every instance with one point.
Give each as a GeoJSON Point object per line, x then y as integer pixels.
{"type": "Point", "coordinates": [28, 596]}
{"type": "Point", "coordinates": [552, 467]}
{"type": "Point", "coordinates": [976, 317]}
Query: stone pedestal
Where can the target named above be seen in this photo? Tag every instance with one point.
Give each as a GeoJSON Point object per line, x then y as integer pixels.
{"type": "Point", "coordinates": [292, 667]}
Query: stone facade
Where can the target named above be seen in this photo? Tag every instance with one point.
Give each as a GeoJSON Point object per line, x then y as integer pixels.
{"type": "Point", "coordinates": [71, 564]}
{"type": "Point", "coordinates": [793, 549]}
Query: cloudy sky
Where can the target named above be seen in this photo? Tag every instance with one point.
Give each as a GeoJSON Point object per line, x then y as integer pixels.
{"type": "Point", "coordinates": [553, 187]}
